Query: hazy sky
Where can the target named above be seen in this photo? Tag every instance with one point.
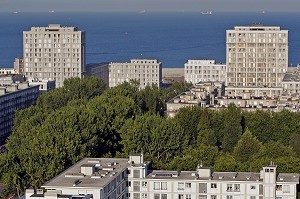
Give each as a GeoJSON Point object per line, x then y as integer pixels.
{"type": "Point", "coordinates": [150, 5]}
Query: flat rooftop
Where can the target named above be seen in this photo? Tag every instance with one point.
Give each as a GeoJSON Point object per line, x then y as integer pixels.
{"type": "Point", "coordinates": [105, 171]}
{"type": "Point", "coordinates": [219, 176]}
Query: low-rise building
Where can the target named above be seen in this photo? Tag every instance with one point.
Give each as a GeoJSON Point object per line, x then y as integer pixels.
{"type": "Point", "coordinates": [201, 94]}
{"type": "Point", "coordinates": [291, 82]}
{"type": "Point", "coordinates": [103, 178]}
{"type": "Point", "coordinates": [146, 71]}
{"type": "Point", "coordinates": [7, 71]}
{"type": "Point", "coordinates": [204, 70]}
{"type": "Point", "coordinates": [212, 95]}
{"type": "Point", "coordinates": [14, 96]}
{"type": "Point", "coordinates": [45, 85]}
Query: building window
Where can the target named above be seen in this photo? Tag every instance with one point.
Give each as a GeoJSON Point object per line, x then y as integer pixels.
{"type": "Point", "coordinates": [136, 196]}
{"type": "Point", "coordinates": [163, 186]}
{"type": "Point", "coordinates": [252, 187]}
{"type": "Point", "coordinates": [136, 173]}
{"type": "Point", "coordinates": [180, 196]}
{"type": "Point", "coordinates": [213, 197]}
{"type": "Point", "coordinates": [136, 186]}
{"type": "Point", "coordinates": [188, 185]}
{"type": "Point", "coordinates": [252, 197]}
{"type": "Point", "coordinates": [278, 187]}
{"type": "Point", "coordinates": [213, 185]}
{"type": "Point", "coordinates": [156, 196]}
{"type": "Point", "coordinates": [229, 197]}
{"type": "Point", "coordinates": [144, 184]}
{"type": "Point", "coordinates": [286, 189]}
{"type": "Point", "coordinates": [164, 196]}
{"type": "Point", "coordinates": [188, 196]}
{"type": "Point", "coordinates": [156, 185]}
{"type": "Point", "coordinates": [229, 187]}
{"type": "Point", "coordinates": [237, 187]}
{"type": "Point", "coordinates": [180, 186]}
{"type": "Point", "coordinates": [144, 196]}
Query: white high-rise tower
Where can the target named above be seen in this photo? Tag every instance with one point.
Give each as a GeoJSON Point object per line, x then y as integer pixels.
{"type": "Point", "coordinates": [257, 59]}
{"type": "Point", "coordinates": [54, 53]}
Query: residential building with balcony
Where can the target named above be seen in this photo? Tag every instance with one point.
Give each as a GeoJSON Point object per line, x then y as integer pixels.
{"type": "Point", "coordinates": [54, 52]}
{"type": "Point", "coordinates": [256, 59]}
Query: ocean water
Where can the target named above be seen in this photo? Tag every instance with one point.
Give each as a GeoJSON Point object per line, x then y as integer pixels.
{"type": "Point", "coordinates": [173, 38]}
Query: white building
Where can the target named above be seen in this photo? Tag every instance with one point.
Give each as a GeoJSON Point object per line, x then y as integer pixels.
{"type": "Point", "coordinates": [54, 53]}
{"type": "Point", "coordinates": [7, 71]}
{"type": "Point", "coordinates": [291, 82]}
{"type": "Point", "coordinates": [101, 178]}
{"type": "Point", "coordinates": [44, 84]}
{"type": "Point", "coordinates": [256, 57]}
{"type": "Point", "coordinates": [146, 71]}
{"type": "Point", "coordinates": [204, 70]}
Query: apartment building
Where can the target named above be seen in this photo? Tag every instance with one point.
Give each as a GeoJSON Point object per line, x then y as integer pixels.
{"type": "Point", "coordinates": [256, 57]}
{"type": "Point", "coordinates": [96, 178]}
{"type": "Point", "coordinates": [54, 53]}
{"type": "Point", "coordinates": [102, 178]}
{"type": "Point", "coordinates": [204, 70]}
{"type": "Point", "coordinates": [146, 71]}
{"type": "Point", "coordinates": [291, 82]}
{"type": "Point", "coordinates": [99, 70]}
{"type": "Point", "coordinates": [14, 96]}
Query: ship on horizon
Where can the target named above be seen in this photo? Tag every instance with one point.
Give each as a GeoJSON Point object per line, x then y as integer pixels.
{"type": "Point", "coordinates": [207, 13]}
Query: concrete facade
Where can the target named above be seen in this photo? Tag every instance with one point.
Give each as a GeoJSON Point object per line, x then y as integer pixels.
{"type": "Point", "coordinates": [19, 65]}
{"type": "Point", "coordinates": [204, 70]}
{"type": "Point", "coordinates": [14, 96]}
{"type": "Point", "coordinates": [146, 71]}
{"type": "Point", "coordinates": [54, 53]}
{"type": "Point", "coordinates": [256, 57]}
{"type": "Point", "coordinates": [101, 178]}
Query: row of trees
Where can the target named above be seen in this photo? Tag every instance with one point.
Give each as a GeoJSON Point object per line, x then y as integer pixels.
{"type": "Point", "coordinates": [84, 119]}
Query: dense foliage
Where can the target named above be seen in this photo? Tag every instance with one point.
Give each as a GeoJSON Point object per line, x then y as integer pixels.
{"type": "Point", "coordinates": [84, 119]}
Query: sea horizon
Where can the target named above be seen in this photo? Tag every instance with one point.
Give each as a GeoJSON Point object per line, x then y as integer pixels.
{"type": "Point", "coordinates": [170, 37]}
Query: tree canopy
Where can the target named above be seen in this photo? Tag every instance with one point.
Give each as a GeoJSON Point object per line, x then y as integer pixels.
{"type": "Point", "coordinates": [84, 119]}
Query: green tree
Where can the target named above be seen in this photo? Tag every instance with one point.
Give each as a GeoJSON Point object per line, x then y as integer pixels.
{"type": "Point", "coordinates": [226, 162]}
{"type": "Point", "coordinates": [159, 138]}
{"type": "Point", "coordinates": [295, 142]}
{"type": "Point", "coordinates": [232, 128]}
{"type": "Point", "coordinates": [206, 134]}
{"type": "Point", "coordinates": [188, 118]}
{"type": "Point", "coordinates": [247, 146]}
